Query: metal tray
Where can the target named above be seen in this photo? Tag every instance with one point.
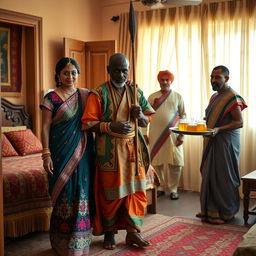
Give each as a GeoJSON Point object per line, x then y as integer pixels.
{"type": "Point", "coordinates": [176, 130]}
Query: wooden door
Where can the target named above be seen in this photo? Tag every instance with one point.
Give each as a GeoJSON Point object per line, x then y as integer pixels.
{"type": "Point", "coordinates": [76, 49]}
{"type": "Point", "coordinates": [97, 55]}
{"type": "Point", "coordinates": [93, 59]}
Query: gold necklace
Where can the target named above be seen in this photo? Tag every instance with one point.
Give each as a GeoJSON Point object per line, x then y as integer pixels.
{"type": "Point", "coordinates": [67, 93]}
{"type": "Point", "coordinates": [64, 93]}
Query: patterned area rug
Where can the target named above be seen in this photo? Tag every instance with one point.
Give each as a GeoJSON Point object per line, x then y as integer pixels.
{"type": "Point", "coordinates": [179, 236]}
{"type": "Point", "coordinates": [169, 236]}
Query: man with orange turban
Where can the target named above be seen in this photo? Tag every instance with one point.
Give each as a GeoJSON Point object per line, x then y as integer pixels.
{"type": "Point", "coordinates": [165, 73]}
{"type": "Point", "coordinates": [166, 148]}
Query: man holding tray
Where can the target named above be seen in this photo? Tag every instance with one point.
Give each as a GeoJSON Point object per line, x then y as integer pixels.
{"type": "Point", "coordinates": [166, 148]}
{"type": "Point", "coordinates": [220, 162]}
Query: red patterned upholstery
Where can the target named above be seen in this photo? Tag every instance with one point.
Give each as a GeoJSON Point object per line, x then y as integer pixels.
{"type": "Point", "coordinates": [27, 203]}
{"type": "Point", "coordinates": [24, 178]}
{"type": "Point", "coordinates": [7, 148]}
{"type": "Point", "coordinates": [24, 141]}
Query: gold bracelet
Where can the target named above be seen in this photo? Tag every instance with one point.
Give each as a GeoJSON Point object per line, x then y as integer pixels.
{"type": "Point", "coordinates": [47, 153]}
{"type": "Point", "coordinates": [105, 127]}
{"type": "Point", "coordinates": [108, 127]}
{"type": "Point", "coordinates": [46, 150]}
{"type": "Point", "coordinates": [101, 127]}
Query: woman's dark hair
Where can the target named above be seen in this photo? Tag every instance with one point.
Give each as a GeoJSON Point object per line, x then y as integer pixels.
{"type": "Point", "coordinates": [62, 64]}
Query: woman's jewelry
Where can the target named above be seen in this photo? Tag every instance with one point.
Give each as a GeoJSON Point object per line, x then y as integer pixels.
{"type": "Point", "coordinates": [45, 156]}
{"type": "Point", "coordinates": [67, 93]}
{"type": "Point", "coordinates": [64, 95]}
{"type": "Point", "coordinates": [46, 151]}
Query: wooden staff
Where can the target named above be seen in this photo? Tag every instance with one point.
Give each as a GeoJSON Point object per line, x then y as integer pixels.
{"type": "Point", "coordinates": [132, 29]}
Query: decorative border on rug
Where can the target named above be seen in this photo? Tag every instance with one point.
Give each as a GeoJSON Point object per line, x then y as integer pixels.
{"type": "Point", "coordinates": [178, 236]}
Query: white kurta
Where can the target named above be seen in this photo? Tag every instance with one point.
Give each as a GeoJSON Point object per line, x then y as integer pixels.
{"type": "Point", "coordinates": [168, 153]}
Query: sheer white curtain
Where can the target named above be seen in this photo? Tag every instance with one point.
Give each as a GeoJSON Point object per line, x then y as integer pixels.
{"type": "Point", "coordinates": [170, 39]}
{"type": "Point", "coordinates": [230, 39]}
{"type": "Point", "coordinates": [190, 41]}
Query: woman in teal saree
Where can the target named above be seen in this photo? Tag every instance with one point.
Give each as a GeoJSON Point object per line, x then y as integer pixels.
{"type": "Point", "coordinates": [68, 159]}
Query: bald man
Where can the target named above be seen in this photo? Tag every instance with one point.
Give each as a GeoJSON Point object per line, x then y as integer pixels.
{"type": "Point", "coordinates": [120, 191]}
{"type": "Point", "coordinates": [166, 148]}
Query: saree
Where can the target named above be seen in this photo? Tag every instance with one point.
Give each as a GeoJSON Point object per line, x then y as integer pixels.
{"type": "Point", "coordinates": [119, 193]}
{"type": "Point", "coordinates": [169, 108]}
{"type": "Point", "coordinates": [72, 156]}
{"type": "Point", "coordinates": [219, 194]}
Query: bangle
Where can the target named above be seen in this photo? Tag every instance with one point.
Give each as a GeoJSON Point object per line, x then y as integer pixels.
{"type": "Point", "coordinates": [101, 127]}
{"type": "Point", "coordinates": [108, 127]}
{"type": "Point", "coordinates": [45, 151]}
{"type": "Point", "coordinates": [105, 127]}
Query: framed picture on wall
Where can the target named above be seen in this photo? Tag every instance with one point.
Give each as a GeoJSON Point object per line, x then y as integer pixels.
{"type": "Point", "coordinates": [10, 58]}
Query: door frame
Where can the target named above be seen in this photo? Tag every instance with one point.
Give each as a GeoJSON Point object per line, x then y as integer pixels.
{"type": "Point", "coordinates": [34, 84]}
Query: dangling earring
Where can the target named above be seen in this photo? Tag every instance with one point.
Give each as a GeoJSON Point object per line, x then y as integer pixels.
{"type": "Point", "coordinates": [59, 83]}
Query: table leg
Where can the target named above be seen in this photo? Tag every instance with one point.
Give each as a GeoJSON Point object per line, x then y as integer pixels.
{"type": "Point", "coordinates": [246, 203]}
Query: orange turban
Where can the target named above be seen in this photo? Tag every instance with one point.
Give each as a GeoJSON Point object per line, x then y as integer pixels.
{"type": "Point", "coordinates": [165, 73]}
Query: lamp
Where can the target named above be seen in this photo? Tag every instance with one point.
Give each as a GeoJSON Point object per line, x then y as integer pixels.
{"type": "Point", "coordinates": [153, 2]}
{"type": "Point", "coordinates": [161, 3]}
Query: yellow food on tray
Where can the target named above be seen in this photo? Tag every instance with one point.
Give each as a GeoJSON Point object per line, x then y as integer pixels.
{"type": "Point", "coordinates": [183, 126]}
{"type": "Point", "coordinates": [192, 126]}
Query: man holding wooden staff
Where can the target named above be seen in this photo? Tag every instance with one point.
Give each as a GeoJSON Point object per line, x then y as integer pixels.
{"type": "Point", "coordinates": [120, 187]}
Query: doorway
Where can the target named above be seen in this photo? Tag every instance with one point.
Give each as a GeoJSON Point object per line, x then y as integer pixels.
{"type": "Point", "coordinates": [93, 59]}
{"type": "Point", "coordinates": [32, 26]}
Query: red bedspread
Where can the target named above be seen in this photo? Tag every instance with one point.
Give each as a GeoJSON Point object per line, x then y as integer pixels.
{"type": "Point", "coordinates": [26, 194]}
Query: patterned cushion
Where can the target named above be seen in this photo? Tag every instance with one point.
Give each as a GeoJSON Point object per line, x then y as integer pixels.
{"type": "Point", "coordinates": [7, 148]}
{"type": "Point", "coordinates": [24, 141]}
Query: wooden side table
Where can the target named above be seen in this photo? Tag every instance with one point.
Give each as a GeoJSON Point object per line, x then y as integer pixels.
{"type": "Point", "coordinates": [249, 184]}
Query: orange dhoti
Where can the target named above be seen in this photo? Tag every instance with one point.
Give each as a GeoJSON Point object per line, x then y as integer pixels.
{"type": "Point", "coordinates": [112, 215]}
